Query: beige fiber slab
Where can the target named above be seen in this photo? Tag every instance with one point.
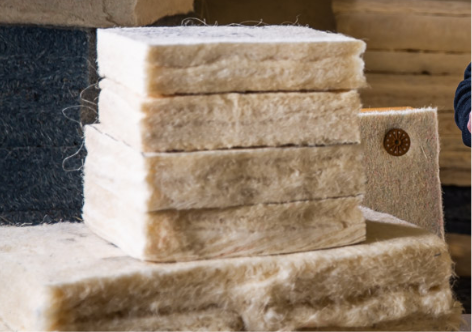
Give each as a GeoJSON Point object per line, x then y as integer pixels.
{"type": "Point", "coordinates": [406, 186]}
{"type": "Point", "coordinates": [446, 322]}
{"type": "Point", "coordinates": [90, 13]}
{"type": "Point", "coordinates": [408, 31]}
{"type": "Point", "coordinates": [218, 321]}
{"type": "Point", "coordinates": [62, 277]}
{"type": "Point", "coordinates": [219, 59]}
{"type": "Point", "coordinates": [220, 121]}
{"type": "Point", "coordinates": [183, 235]}
{"type": "Point", "coordinates": [217, 179]}
{"type": "Point", "coordinates": [455, 176]}
{"type": "Point", "coordinates": [410, 62]}
{"type": "Point", "coordinates": [410, 90]}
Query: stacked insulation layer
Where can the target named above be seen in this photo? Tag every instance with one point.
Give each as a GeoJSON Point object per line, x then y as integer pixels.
{"type": "Point", "coordinates": [226, 141]}
{"type": "Point", "coordinates": [63, 277]}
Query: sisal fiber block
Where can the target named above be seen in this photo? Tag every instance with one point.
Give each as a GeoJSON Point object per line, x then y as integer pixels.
{"type": "Point", "coordinates": [183, 235]}
{"type": "Point", "coordinates": [406, 186]}
{"type": "Point", "coordinates": [90, 13]}
{"type": "Point", "coordinates": [389, 90]}
{"type": "Point", "coordinates": [220, 121]}
{"type": "Point", "coordinates": [415, 62]}
{"type": "Point", "coordinates": [406, 25]}
{"type": "Point", "coordinates": [217, 179]}
{"type": "Point", "coordinates": [209, 59]}
{"type": "Point", "coordinates": [62, 277]}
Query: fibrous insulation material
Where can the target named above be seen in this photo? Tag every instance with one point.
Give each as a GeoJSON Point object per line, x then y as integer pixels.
{"type": "Point", "coordinates": [221, 121]}
{"type": "Point", "coordinates": [405, 186]}
{"type": "Point", "coordinates": [262, 229]}
{"type": "Point", "coordinates": [214, 59]}
{"type": "Point", "coordinates": [62, 277]}
{"type": "Point", "coordinates": [223, 178]}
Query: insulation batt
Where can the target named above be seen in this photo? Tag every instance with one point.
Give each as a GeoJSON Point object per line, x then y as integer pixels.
{"type": "Point", "coordinates": [406, 25]}
{"type": "Point", "coordinates": [183, 235]}
{"type": "Point", "coordinates": [217, 179]}
{"type": "Point", "coordinates": [90, 13]}
{"type": "Point", "coordinates": [407, 186]}
{"type": "Point", "coordinates": [447, 322]}
{"type": "Point", "coordinates": [219, 121]}
{"type": "Point", "coordinates": [62, 277]}
{"type": "Point", "coordinates": [208, 59]}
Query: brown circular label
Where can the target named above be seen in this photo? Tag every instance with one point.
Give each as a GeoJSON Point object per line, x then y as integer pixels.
{"type": "Point", "coordinates": [397, 142]}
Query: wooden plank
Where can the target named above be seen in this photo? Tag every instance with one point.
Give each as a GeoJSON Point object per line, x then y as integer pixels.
{"type": "Point", "coordinates": [453, 143]}
{"type": "Point", "coordinates": [410, 90]}
{"type": "Point", "coordinates": [407, 31]}
{"type": "Point", "coordinates": [90, 13]}
{"type": "Point", "coordinates": [410, 62]}
{"type": "Point", "coordinates": [447, 124]}
{"type": "Point", "coordinates": [459, 248]}
{"type": "Point", "coordinates": [455, 8]}
{"type": "Point", "coordinates": [455, 177]}
{"type": "Point", "coordinates": [455, 159]}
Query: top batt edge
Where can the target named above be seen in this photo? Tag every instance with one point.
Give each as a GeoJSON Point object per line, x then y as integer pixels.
{"type": "Point", "coordinates": [194, 35]}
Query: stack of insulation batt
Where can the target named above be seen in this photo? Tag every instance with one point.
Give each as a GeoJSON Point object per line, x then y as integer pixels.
{"type": "Point", "coordinates": [417, 52]}
{"type": "Point", "coordinates": [225, 141]}
{"type": "Point", "coordinates": [63, 277]}
{"type": "Point", "coordinates": [45, 69]}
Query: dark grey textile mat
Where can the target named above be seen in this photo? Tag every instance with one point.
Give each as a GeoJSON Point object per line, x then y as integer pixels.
{"type": "Point", "coordinates": [456, 201]}
{"type": "Point", "coordinates": [42, 71]}
{"type": "Point", "coordinates": [34, 179]}
{"type": "Point", "coordinates": [32, 218]}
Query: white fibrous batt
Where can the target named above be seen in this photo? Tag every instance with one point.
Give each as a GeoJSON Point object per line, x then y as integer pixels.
{"type": "Point", "coordinates": [229, 120]}
{"type": "Point", "coordinates": [211, 59]}
{"type": "Point", "coordinates": [261, 229]}
{"type": "Point", "coordinates": [222, 178]}
{"type": "Point", "coordinates": [62, 277]}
